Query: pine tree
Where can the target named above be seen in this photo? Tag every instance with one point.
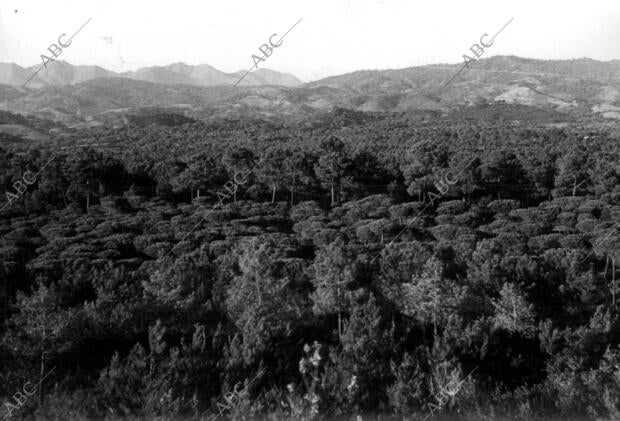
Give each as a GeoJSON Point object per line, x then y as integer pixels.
{"type": "Point", "coordinates": [512, 310]}
{"type": "Point", "coordinates": [332, 167]}
{"type": "Point", "coordinates": [572, 177]}
{"type": "Point", "coordinates": [333, 273]}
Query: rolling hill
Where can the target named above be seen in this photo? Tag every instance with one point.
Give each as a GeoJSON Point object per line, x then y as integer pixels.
{"type": "Point", "coordinates": [576, 89]}
{"type": "Point", "coordinates": [60, 73]}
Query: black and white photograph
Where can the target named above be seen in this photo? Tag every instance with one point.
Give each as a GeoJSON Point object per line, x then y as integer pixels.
{"type": "Point", "coordinates": [309, 210]}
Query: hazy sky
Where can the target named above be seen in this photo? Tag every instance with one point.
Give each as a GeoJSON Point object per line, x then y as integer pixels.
{"type": "Point", "coordinates": [334, 37]}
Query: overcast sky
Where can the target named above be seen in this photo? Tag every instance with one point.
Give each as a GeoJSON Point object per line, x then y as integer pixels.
{"type": "Point", "coordinates": [334, 37]}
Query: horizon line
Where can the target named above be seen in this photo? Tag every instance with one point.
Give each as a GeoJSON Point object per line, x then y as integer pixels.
{"type": "Point", "coordinates": [429, 65]}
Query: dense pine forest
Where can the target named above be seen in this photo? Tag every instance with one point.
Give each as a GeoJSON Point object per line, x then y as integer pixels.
{"type": "Point", "coordinates": [353, 266]}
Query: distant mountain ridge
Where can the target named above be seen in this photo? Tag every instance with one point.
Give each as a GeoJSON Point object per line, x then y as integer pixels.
{"type": "Point", "coordinates": [60, 73]}
{"type": "Point", "coordinates": [565, 89]}
{"type": "Point", "coordinates": [583, 68]}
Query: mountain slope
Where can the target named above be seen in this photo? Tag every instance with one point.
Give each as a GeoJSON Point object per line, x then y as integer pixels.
{"type": "Point", "coordinates": [62, 73]}
{"type": "Point", "coordinates": [583, 89]}
{"type": "Point", "coordinates": [554, 83]}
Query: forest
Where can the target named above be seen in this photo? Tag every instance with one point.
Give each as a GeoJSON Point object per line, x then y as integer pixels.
{"type": "Point", "coordinates": [357, 266]}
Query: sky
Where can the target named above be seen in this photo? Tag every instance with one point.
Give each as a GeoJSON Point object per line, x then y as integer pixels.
{"type": "Point", "coordinates": [333, 37]}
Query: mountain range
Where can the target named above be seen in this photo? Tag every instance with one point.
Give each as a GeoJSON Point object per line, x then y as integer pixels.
{"type": "Point", "coordinates": [62, 73]}
{"type": "Point", "coordinates": [558, 90]}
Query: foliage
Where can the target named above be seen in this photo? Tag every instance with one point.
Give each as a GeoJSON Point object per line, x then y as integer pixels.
{"type": "Point", "coordinates": [330, 272]}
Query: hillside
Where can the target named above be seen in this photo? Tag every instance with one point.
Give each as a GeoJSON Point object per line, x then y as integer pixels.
{"type": "Point", "coordinates": [349, 263]}
{"type": "Point", "coordinates": [578, 89]}
{"type": "Point", "coordinates": [60, 73]}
